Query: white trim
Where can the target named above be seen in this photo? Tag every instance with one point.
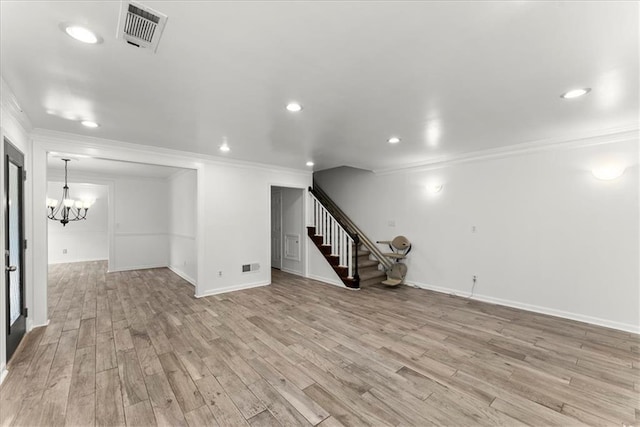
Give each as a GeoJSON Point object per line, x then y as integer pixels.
{"type": "Point", "coordinates": [295, 273]}
{"type": "Point", "coordinates": [78, 260]}
{"type": "Point", "coordinates": [39, 325]}
{"type": "Point", "coordinates": [10, 103]}
{"type": "Point", "coordinates": [178, 174]}
{"type": "Point", "coordinates": [80, 144]}
{"type": "Point", "coordinates": [78, 177]}
{"type": "Point", "coordinates": [201, 260]}
{"type": "Point", "coordinates": [232, 289]}
{"type": "Point", "coordinates": [3, 373]}
{"type": "Point", "coordinates": [326, 280]}
{"type": "Point", "coordinates": [72, 231]}
{"type": "Point", "coordinates": [182, 236]}
{"type": "Point", "coordinates": [182, 274]}
{"type": "Point", "coordinates": [138, 267]}
{"type": "Point", "coordinates": [587, 140]}
{"type": "Point", "coordinates": [533, 308]}
{"type": "Point", "coordinates": [139, 234]}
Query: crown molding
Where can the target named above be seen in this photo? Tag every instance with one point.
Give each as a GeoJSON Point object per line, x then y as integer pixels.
{"type": "Point", "coordinates": [11, 106]}
{"type": "Point", "coordinates": [101, 147]}
{"type": "Point", "coordinates": [84, 177]}
{"type": "Point", "coordinates": [610, 136]}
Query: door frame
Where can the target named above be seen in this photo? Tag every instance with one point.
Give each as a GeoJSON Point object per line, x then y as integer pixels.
{"type": "Point", "coordinates": [304, 258]}
{"type": "Point", "coordinates": [12, 341]}
{"type": "Point", "coordinates": [278, 192]}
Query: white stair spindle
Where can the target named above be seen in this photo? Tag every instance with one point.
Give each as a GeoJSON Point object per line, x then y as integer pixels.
{"type": "Point", "coordinates": [350, 255]}
{"type": "Point", "coordinates": [316, 215]}
{"type": "Point", "coordinates": [342, 248]}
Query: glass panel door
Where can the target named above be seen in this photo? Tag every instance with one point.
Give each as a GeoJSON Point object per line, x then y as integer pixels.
{"type": "Point", "coordinates": [14, 246]}
{"type": "Point", "coordinates": [15, 291]}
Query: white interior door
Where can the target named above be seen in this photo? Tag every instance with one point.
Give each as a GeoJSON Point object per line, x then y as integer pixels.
{"type": "Point", "coordinates": [276, 229]}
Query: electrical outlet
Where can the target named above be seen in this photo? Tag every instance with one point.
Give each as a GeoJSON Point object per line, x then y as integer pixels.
{"type": "Point", "coordinates": [64, 251]}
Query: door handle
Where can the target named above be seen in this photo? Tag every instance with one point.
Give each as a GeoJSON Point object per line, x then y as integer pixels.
{"type": "Point", "coordinates": [11, 268]}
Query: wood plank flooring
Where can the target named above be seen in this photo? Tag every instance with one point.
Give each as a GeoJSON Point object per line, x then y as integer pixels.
{"type": "Point", "coordinates": [136, 348]}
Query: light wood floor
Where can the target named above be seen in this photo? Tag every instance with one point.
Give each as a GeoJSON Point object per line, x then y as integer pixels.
{"type": "Point", "coordinates": [137, 348]}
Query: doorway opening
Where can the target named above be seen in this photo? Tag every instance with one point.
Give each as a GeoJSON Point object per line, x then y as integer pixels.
{"type": "Point", "coordinates": [143, 216]}
{"type": "Point", "coordinates": [287, 230]}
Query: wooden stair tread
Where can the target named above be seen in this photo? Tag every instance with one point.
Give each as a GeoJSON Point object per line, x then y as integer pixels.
{"type": "Point", "coordinates": [333, 260]}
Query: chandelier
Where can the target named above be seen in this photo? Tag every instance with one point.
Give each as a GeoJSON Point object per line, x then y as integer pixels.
{"type": "Point", "coordinates": [67, 209]}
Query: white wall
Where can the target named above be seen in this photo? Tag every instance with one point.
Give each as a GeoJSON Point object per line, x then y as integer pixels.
{"type": "Point", "coordinates": [549, 236]}
{"type": "Point", "coordinates": [182, 202]}
{"type": "Point", "coordinates": [137, 220]}
{"type": "Point", "coordinates": [141, 237]}
{"type": "Point", "coordinates": [15, 127]}
{"type": "Point", "coordinates": [85, 240]}
{"type": "Point", "coordinates": [293, 224]}
{"type": "Point", "coordinates": [236, 215]}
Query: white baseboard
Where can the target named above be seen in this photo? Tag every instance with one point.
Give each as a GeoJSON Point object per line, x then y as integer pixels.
{"type": "Point", "coordinates": [182, 274]}
{"type": "Point", "coordinates": [327, 280]}
{"type": "Point", "coordinates": [533, 308]}
{"type": "Point", "coordinates": [296, 273]}
{"type": "Point", "coordinates": [232, 289]}
{"type": "Point", "coordinates": [3, 373]}
{"type": "Point", "coordinates": [137, 267]}
{"type": "Point", "coordinates": [31, 325]}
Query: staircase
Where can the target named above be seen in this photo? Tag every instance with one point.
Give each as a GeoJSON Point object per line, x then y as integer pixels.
{"type": "Point", "coordinates": [370, 274]}
{"type": "Point", "coordinates": [352, 255]}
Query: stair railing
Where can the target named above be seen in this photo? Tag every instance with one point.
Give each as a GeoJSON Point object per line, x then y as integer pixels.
{"type": "Point", "coordinates": [346, 222]}
{"type": "Point", "coordinates": [337, 236]}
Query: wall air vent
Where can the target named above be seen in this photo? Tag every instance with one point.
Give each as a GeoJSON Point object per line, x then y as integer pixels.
{"type": "Point", "coordinates": [140, 26]}
{"type": "Point", "coordinates": [246, 268]}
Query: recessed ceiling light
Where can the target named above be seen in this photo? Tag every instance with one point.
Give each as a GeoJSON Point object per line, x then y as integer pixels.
{"type": "Point", "coordinates": [89, 124]}
{"type": "Point", "coordinates": [310, 163]}
{"type": "Point", "coordinates": [294, 107]}
{"type": "Point", "coordinates": [394, 140]}
{"type": "Point", "coordinates": [82, 34]}
{"type": "Point", "coordinates": [575, 93]}
{"type": "Point", "coordinates": [225, 148]}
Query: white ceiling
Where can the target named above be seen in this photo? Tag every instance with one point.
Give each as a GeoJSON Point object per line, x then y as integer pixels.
{"type": "Point", "coordinates": [83, 166]}
{"type": "Point", "coordinates": [478, 74]}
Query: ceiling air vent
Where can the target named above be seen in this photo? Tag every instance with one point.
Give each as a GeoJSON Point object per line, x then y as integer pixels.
{"type": "Point", "coordinates": [141, 26]}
